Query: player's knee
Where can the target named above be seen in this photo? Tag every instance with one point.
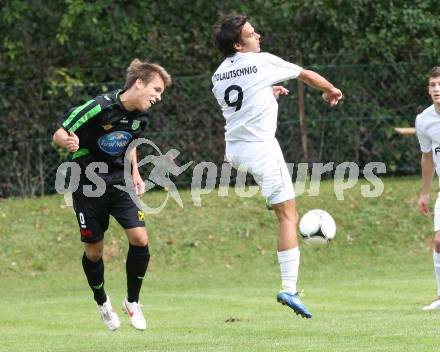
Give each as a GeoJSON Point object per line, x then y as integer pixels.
{"type": "Point", "coordinates": [137, 236]}
{"type": "Point", "coordinates": [295, 216]}
{"type": "Point", "coordinates": [287, 212]}
{"type": "Point", "coordinates": [94, 253]}
{"type": "Point", "coordinates": [139, 241]}
{"type": "Point", "coordinates": [292, 216]}
{"type": "Point", "coordinates": [142, 242]}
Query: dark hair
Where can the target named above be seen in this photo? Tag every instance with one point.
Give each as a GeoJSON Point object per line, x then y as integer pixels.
{"type": "Point", "coordinates": [227, 33]}
{"type": "Point", "coordinates": [435, 72]}
{"type": "Point", "coordinates": [146, 72]}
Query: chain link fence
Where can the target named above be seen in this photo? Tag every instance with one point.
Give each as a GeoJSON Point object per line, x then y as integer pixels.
{"type": "Point", "coordinates": [378, 97]}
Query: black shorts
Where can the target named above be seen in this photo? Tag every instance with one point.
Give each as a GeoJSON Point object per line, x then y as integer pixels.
{"type": "Point", "coordinates": [93, 213]}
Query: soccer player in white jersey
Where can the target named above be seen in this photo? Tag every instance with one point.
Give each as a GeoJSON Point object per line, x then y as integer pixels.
{"type": "Point", "coordinates": [428, 133]}
{"type": "Point", "coordinates": [244, 88]}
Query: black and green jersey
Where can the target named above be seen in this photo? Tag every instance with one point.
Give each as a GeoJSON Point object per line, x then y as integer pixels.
{"type": "Point", "coordinates": [105, 129]}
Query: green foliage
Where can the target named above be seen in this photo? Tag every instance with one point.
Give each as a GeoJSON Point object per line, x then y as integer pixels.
{"type": "Point", "coordinates": [103, 36]}
{"type": "Point", "coordinates": [57, 54]}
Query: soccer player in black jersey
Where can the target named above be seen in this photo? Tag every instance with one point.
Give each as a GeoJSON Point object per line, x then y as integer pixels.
{"type": "Point", "coordinates": [101, 131]}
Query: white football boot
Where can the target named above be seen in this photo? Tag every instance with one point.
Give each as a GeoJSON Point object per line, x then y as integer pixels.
{"type": "Point", "coordinates": [108, 315]}
{"type": "Point", "coordinates": [134, 311]}
{"type": "Point", "coordinates": [434, 305]}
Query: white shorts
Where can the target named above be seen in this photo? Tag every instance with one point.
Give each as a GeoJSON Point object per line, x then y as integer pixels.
{"type": "Point", "coordinates": [265, 161]}
{"type": "Point", "coordinates": [437, 214]}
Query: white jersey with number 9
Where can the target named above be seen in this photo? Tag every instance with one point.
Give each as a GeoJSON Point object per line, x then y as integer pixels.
{"type": "Point", "coordinates": [243, 89]}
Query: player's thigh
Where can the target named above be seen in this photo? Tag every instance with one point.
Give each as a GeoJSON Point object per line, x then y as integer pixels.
{"type": "Point", "coordinates": [92, 215]}
{"type": "Point", "coordinates": [277, 186]}
{"type": "Point", "coordinates": [281, 184]}
{"type": "Point", "coordinates": [265, 161]}
{"type": "Point", "coordinates": [125, 211]}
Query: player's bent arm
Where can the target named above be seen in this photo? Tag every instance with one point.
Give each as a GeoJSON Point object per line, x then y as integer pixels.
{"type": "Point", "coordinates": [65, 140]}
{"type": "Point", "coordinates": [60, 138]}
{"type": "Point", "coordinates": [315, 80]}
{"type": "Point", "coordinates": [134, 161]}
{"type": "Point", "coordinates": [138, 183]}
{"type": "Point", "coordinates": [331, 95]}
{"type": "Point", "coordinates": [428, 169]}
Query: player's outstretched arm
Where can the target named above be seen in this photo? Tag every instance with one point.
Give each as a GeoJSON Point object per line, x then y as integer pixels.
{"type": "Point", "coordinates": [331, 95]}
{"type": "Point", "coordinates": [69, 141]}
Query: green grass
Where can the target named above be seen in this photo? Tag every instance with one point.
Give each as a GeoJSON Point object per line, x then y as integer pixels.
{"type": "Point", "coordinates": [213, 278]}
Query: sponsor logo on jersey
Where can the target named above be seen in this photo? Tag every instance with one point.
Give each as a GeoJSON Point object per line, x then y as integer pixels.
{"type": "Point", "coordinates": [135, 125]}
{"type": "Point", "coordinates": [114, 143]}
{"type": "Point", "coordinates": [235, 73]}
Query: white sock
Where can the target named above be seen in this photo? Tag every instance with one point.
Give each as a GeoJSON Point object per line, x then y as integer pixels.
{"type": "Point", "coordinates": [289, 265]}
{"type": "Point", "coordinates": [436, 257]}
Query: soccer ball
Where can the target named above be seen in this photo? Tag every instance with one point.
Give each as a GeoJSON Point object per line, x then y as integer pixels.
{"type": "Point", "coordinates": [317, 226]}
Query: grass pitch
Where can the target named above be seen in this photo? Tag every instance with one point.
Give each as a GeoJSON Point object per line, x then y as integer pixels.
{"type": "Point", "coordinates": [213, 278]}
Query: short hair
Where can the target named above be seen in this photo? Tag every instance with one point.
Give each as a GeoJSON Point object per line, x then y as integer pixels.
{"type": "Point", "coordinates": [435, 72]}
{"type": "Point", "coordinates": [227, 33]}
{"type": "Point", "coordinates": [146, 72]}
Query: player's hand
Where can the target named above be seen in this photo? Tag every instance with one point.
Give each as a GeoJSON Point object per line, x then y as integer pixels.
{"type": "Point", "coordinates": [138, 183]}
{"type": "Point", "coordinates": [423, 204]}
{"type": "Point", "coordinates": [332, 96]}
{"type": "Point", "coordinates": [279, 90]}
{"type": "Point", "coordinates": [72, 142]}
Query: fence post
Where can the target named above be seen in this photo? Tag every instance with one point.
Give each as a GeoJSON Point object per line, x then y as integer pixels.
{"type": "Point", "coordinates": [301, 113]}
{"type": "Point", "coordinates": [41, 167]}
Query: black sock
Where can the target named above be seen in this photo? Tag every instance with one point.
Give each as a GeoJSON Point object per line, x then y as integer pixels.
{"type": "Point", "coordinates": [95, 276]}
{"type": "Point", "coordinates": [136, 266]}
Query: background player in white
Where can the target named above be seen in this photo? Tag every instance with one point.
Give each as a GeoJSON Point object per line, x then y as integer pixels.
{"type": "Point", "coordinates": [243, 86]}
{"type": "Point", "coordinates": [428, 133]}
